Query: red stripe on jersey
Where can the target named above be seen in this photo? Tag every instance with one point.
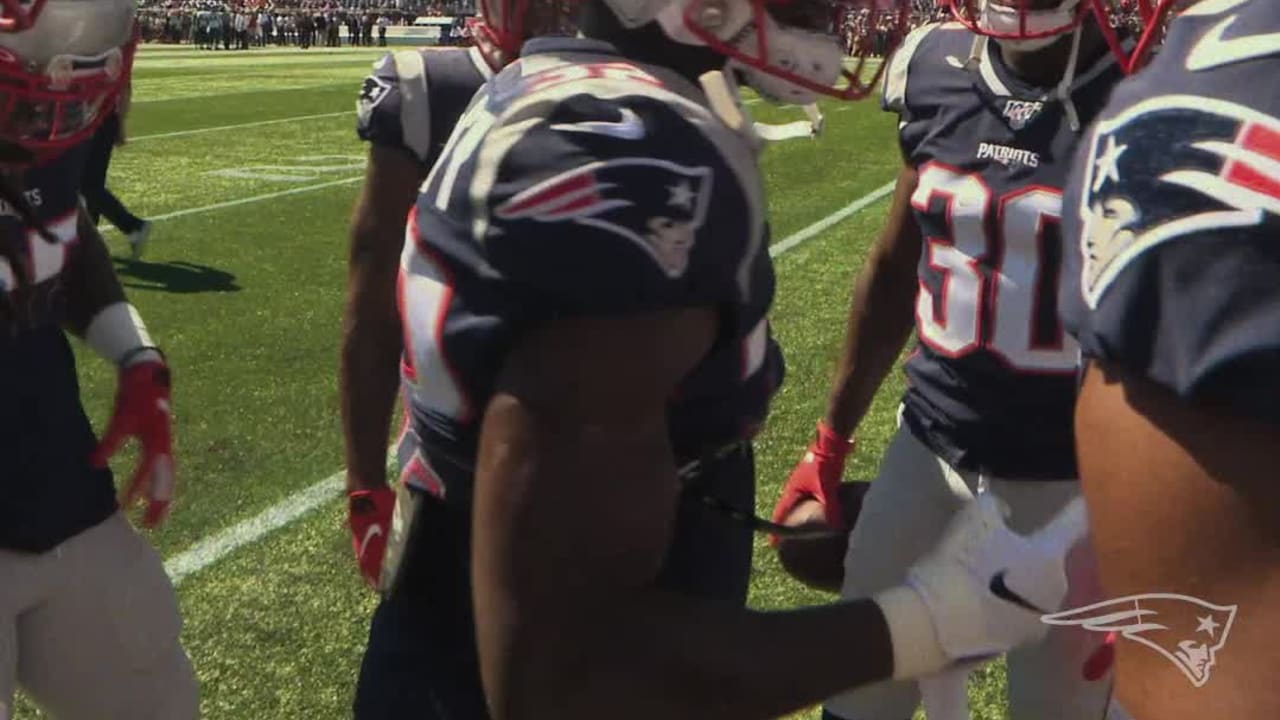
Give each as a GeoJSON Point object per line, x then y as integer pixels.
{"type": "Point", "coordinates": [1263, 141]}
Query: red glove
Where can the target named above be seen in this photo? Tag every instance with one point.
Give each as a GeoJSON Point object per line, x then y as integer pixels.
{"type": "Point", "coordinates": [817, 477]}
{"type": "Point", "coordinates": [369, 515]}
{"type": "Point", "coordinates": [142, 411]}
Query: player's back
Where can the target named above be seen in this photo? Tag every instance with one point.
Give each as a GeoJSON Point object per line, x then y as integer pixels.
{"type": "Point", "coordinates": [580, 183]}
{"type": "Point", "coordinates": [992, 380]}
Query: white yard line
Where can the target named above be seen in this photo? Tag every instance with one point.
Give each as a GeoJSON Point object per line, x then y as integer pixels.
{"type": "Point", "coordinates": [217, 546]}
{"type": "Point", "coordinates": [245, 201]}
{"type": "Point", "coordinates": [219, 128]}
{"type": "Point", "coordinates": [210, 550]}
{"type": "Point", "coordinates": [831, 220]}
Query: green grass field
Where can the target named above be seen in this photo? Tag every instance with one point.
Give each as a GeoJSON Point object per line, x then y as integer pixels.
{"type": "Point", "coordinates": [243, 285]}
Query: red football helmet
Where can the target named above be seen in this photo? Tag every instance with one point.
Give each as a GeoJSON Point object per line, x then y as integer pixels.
{"type": "Point", "coordinates": [1023, 24]}
{"type": "Point", "coordinates": [1131, 27]}
{"type": "Point", "coordinates": [61, 76]}
{"type": "Point", "coordinates": [16, 15]}
{"type": "Point", "coordinates": [788, 50]}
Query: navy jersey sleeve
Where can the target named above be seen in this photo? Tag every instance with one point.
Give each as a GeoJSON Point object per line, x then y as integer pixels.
{"type": "Point", "coordinates": [382, 105]}
{"type": "Point", "coordinates": [618, 206]}
{"type": "Point", "coordinates": [1173, 264]}
{"type": "Point", "coordinates": [900, 97]}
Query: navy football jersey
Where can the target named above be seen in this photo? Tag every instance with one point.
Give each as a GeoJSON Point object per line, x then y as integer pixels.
{"type": "Point", "coordinates": [1174, 216]}
{"type": "Point", "coordinates": [580, 183]}
{"type": "Point", "coordinates": [991, 384]}
{"type": "Point", "coordinates": [48, 491]}
{"type": "Point", "coordinates": [414, 98]}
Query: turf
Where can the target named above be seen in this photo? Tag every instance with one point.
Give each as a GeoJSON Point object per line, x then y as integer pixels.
{"type": "Point", "coordinates": [246, 299]}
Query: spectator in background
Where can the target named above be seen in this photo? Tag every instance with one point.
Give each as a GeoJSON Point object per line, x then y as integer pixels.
{"type": "Point", "coordinates": [101, 202]}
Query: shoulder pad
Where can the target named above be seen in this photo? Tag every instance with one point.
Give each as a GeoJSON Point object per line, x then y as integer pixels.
{"type": "Point", "coordinates": [1170, 263]}
{"type": "Point", "coordinates": [653, 202]}
{"type": "Point", "coordinates": [394, 107]}
{"type": "Point", "coordinates": [895, 76]}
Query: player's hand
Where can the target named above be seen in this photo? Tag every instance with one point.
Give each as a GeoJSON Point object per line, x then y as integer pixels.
{"type": "Point", "coordinates": [142, 410]}
{"type": "Point", "coordinates": [983, 589]}
{"type": "Point", "coordinates": [818, 562]}
{"type": "Point", "coordinates": [369, 517]}
{"type": "Point", "coordinates": [817, 477]}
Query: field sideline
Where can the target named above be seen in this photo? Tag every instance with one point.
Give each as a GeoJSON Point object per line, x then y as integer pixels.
{"type": "Point", "coordinates": [249, 163]}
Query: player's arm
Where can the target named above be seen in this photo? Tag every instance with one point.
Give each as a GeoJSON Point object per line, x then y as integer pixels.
{"type": "Point", "coordinates": [371, 336]}
{"type": "Point", "coordinates": [91, 282]}
{"type": "Point", "coordinates": [1203, 482]}
{"type": "Point", "coordinates": [881, 317]}
{"type": "Point", "coordinates": [1176, 433]}
{"type": "Point", "coordinates": [881, 312]}
{"type": "Point", "coordinates": [575, 501]}
{"type": "Point", "coordinates": [97, 311]}
{"type": "Point", "coordinates": [1178, 417]}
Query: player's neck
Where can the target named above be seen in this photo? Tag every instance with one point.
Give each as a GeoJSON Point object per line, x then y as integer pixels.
{"type": "Point", "coordinates": [1045, 67]}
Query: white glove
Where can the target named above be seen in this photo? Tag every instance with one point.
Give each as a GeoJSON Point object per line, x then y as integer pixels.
{"type": "Point", "coordinates": [981, 591]}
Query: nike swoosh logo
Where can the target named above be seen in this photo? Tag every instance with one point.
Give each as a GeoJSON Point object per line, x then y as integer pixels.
{"type": "Point", "coordinates": [1214, 51]}
{"type": "Point", "coordinates": [373, 532]}
{"type": "Point", "coordinates": [630, 127]}
{"type": "Point", "coordinates": [1002, 591]}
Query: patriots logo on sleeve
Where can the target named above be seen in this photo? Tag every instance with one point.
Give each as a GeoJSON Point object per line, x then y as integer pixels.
{"type": "Point", "coordinates": [656, 204]}
{"type": "Point", "coordinates": [371, 93]}
{"type": "Point", "coordinates": [1170, 167]}
{"type": "Point", "coordinates": [1187, 631]}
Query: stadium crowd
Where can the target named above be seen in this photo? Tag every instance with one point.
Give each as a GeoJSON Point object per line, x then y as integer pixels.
{"type": "Point", "coordinates": [240, 25]}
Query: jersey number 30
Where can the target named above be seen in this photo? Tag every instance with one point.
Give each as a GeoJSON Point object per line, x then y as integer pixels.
{"type": "Point", "coordinates": [1016, 295]}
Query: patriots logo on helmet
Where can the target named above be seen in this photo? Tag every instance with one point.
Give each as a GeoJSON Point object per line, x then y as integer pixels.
{"type": "Point", "coordinates": [1187, 631]}
{"type": "Point", "coordinates": [1140, 189]}
{"type": "Point", "coordinates": [657, 204]}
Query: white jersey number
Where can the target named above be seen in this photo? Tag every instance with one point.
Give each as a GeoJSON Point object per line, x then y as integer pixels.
{"type": "Point", "coordinates": [1024, 279]}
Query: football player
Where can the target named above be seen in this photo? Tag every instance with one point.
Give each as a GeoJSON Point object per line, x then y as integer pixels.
{"type": "Point", "coordinates": [1173, 290]}
{"type": "Point", "coordinates": [406, 110]}
{"type": "Point", "coordinates": [990, 109]}
{"type": "Point", "coordinates": [89, 623]}
{"type": "Point", "coordinates": [587, 360]}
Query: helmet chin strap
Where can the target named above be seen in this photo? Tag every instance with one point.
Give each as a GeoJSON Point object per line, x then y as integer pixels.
{"type": "Point", "coordinates": [1069, 77]}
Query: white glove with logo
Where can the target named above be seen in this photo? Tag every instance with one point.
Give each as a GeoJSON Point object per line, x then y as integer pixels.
{"type": "Point", "coordinates": [981, 591]}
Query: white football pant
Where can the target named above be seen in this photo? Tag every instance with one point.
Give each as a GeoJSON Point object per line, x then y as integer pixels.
{"type": "Point", "coordinates": [89, 630]}
{"type": "Point", "coordinates": [903, 516]}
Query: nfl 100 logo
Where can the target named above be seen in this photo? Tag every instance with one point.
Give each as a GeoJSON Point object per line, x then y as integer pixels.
{"type": "Point", "coordinates": [1020, 113]}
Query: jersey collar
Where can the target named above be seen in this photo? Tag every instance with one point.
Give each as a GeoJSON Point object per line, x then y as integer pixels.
{"type": "Point", "coordinates": [567, 44]}
{"type": "Point", "coordinates": [999, 80]}
{"type": "Point", "coordinates": [481, 65]}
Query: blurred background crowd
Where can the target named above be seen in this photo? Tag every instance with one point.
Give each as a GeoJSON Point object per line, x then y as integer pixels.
{"type": "Point", "coordinates": [216, 24]}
